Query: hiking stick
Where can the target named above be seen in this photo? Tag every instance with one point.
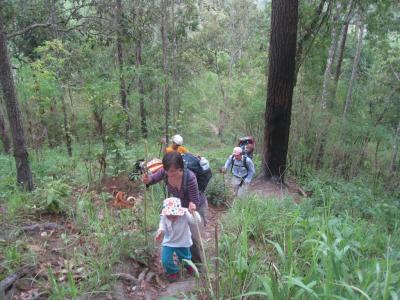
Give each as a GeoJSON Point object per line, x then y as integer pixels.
{"type": "Point", "coordinates": [205, 260]}
{"type": "Point", "coordinates": [216, 263]}
{"type": "Point", "coordinates": [223, 178]}
{"type": "Point", "coordinates": [161, 146]}
{"type": "Point", "coordinates": [224, 184]}
{"type": "Point", "coordinates": [145, 199]}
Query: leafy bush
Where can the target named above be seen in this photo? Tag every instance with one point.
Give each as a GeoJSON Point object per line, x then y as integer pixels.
{"type": "Point", "coordinates": [217, 192]}
{"type": "Point", "coordinates": [52, 197]}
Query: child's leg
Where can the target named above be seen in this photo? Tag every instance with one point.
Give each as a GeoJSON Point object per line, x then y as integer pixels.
{"type": "Point", "coordinates": [167, 258]}
{"type": "Point", "coordinates": [183, 253]}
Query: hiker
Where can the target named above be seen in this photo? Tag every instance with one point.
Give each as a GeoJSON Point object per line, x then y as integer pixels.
{"type": "Point", "coordinates": [173, 173]}
{"type": "Point", "coordinates": [174, 232]}
{"type": "Point", "coordinates": [242, 169]}
{"type": "Point", "coordinates": [177, 142]}
{"type": "Point", "coordinates": [247, 144]}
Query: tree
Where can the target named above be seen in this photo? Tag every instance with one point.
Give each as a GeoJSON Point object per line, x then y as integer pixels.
{"type": "Point", "coordinates": [354, 68]}
{"type": "Point", "coordinates": [342, 43]}
{"type": "Point", "coordinates": [164, 37]}
{"type": "Point", "coordinates": [330, 58]}
{"type": "Point", "coordinates": [24, 175]}
{"type": "Point", "coordinates": [4, 134]}
{"type": "Point", "coordinates": [282, 54]}
{"type": "Point", "coordinates": [123, 93]}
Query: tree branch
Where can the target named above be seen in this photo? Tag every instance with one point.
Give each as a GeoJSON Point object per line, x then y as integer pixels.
{"type": "Point", "coordinates": [26, 29]}
{"type": "Point", "coordinates": [394, 72]}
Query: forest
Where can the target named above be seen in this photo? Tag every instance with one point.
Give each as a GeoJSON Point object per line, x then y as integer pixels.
{"type": "Point", "coordinates": [91, 88]}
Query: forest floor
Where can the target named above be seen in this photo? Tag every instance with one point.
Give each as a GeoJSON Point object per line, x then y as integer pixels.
{"type": "Point", "coordinates": [46, 234]}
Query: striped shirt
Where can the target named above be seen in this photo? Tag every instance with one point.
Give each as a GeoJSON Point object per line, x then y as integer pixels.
{"type": "Point", "coordinates": [192, 194]}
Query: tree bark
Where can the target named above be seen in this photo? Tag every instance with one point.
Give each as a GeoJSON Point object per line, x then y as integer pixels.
{"type": "Point", "coordinates": [65, 124]}
{"type": "Point", "coordinates": [393, 162]}
{"type": "Point", "coordinates": [281, 78]}
{"type": "Point", "coordinates": [164, 37]}
{"type": "Point", "coordinates": [4, 134]}
{"type": "Point", "coordinates": [329, 60]}
{"type": "Point", "coordinates": [354, 69]}
{"type": "Point", "coordinates": [122, 85]}
{"type": "Point", "coordinates": [342, 43]}
{"type": "Point", "coordinates": [143, 121]}
{"type": "Point", "coordinates": [24, 175]}
{"type": "Point", "coordinates": [102, 158]}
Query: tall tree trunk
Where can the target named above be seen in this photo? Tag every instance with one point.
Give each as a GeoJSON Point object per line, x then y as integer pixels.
{"type": "Point", "coordinates": [24, 175]}
{"type": "Point", "coordinates": [122, 85]}
{"type": "Point", "coordinates": [164, 37]}
{"type": "Point", "coordinates": [354, 69]}
{"type": "Point", "coordinates": [4, 134]}
{"type": "Point", "coordinates": [174, 62]}
{"type": "Point", "coordinates": [393, 162]}
{"type": "Point", "coordinates": [102, 158]}
{"type": "Point", "coordinates": [282, 54]}
{"type": "Point", "coordinates": [326, 100]}
{"type": "Point", "coordinates": [342, 43]}
{"type": "Point", "coordinates": [65, 124]}
{"type": "Point", "coordinates": [329, 60]}
{"type": "Point", "coordinates": [143, 121]}
{"type": "Point", "coordinates": [67, 132]}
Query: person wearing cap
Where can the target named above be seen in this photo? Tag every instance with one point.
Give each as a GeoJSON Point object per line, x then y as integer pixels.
{"type": "Point", "coordinates": [176, 237]}
{"type": "Point", "coordinates": [242, 169]}
{"type": "Point", "coordinates": [177, 142]}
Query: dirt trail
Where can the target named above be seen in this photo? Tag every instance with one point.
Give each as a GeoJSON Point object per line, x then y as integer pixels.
{"type": "Point", "coordinates": [260, 187]}
{"type": "Point", "coordinates": [138, 281]}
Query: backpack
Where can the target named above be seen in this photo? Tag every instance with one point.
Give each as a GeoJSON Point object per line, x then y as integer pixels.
{"type": "Point", "coordinates": [141, 166]}
{"type": "Point", "coordinates": [247, 144]}
{"type": "Point", "coordinates": [244, 163]}
{"type": "Point", "coordinates": [200, 167]}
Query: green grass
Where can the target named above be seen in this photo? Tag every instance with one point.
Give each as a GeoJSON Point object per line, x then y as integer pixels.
{"type": "Point", "coordinates": [341, 243]}
{"type": "Point", "coordinates": [326, 248]}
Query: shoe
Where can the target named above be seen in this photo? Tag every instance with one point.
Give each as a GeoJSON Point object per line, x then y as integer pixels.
{"type": "Point", "coordinates": [190, 271]}
{"type": "Point", "coordinates": [172, 277]}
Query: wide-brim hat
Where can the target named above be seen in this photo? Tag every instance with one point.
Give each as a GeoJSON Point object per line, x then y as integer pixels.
{"type": "Point", "coordinates": [172, 207]}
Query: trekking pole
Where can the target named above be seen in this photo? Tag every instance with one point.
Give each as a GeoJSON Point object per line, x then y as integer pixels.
{"type": "Point", "coordinates": [216, 262]}
{"type": "Point", "coordinates": [145, 200]}
{"type": "Point", "coordinates": [225, 200]}
{"type": "Point", "coordinates": [205, 261]}
{"type": "Point", "coordinates": [161, 146]}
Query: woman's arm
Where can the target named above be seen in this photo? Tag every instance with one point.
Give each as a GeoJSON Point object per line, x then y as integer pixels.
{"type": "Point", "coordinates": [154, 178]}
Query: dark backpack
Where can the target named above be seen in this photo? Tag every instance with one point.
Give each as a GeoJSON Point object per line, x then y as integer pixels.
{"type": "Point", "coordinates": [244, 163]}
{"type": "Point", "coordinates": [199, 166]}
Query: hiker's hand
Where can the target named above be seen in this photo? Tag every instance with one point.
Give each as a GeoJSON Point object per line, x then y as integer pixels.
{"type": "Point", "coordinates": [163, 141]}
{"type": "Point", "coordinates": [247, 182]}
{"type": "Point", "coordinates": [145, 178]}
{"type": "Point", "coordinates": [223, 170]}
{"type": "Point", "coordinates": [192, 207]}
{"type": "Point", "coordinates": [159, 236]}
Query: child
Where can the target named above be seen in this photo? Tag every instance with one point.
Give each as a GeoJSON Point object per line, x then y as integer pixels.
{"type": "Point", "coordinates": [174, 232]}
